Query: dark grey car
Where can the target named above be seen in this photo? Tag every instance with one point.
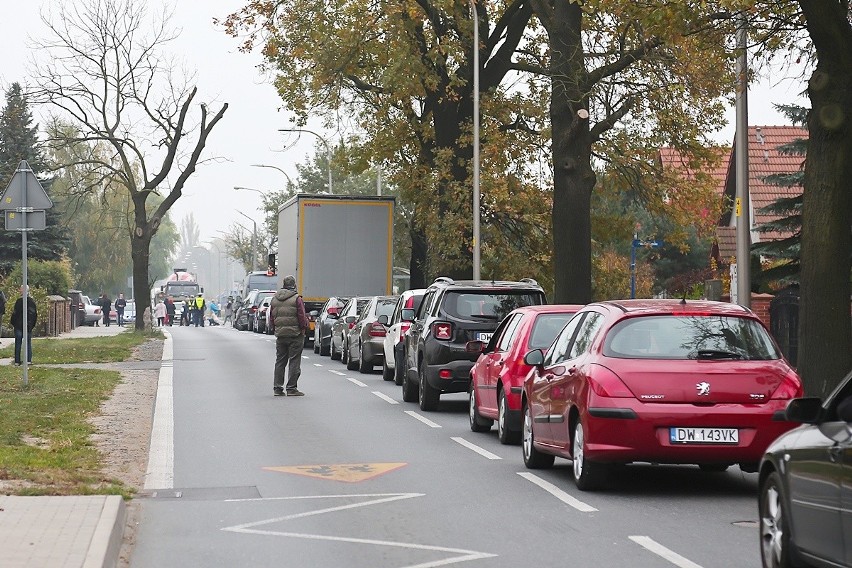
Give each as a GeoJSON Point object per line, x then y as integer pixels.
{"type": "Point", "coordinates": [366, 341]}
{"type": "Point", "coordinates": [805, 498]}
{"type": "Point", "coordinates": [328, 315]}
{"type": "Point", "coordinates": [340, 328]}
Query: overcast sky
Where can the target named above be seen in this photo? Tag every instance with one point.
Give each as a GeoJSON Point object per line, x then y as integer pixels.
{"type": "Point", "coordinates": [248, 132]}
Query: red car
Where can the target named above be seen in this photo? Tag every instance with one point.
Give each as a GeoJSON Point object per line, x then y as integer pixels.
{"type": "Point", "coordinates": [497, 377]}
{"type": "Point", "coordinates": [660, 381]}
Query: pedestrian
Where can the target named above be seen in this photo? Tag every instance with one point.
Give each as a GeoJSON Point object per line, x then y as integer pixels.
{"type": "Point", "coordinates": [289, 323]}
{"type": "Point", "coordinates": [18, 324]}
{"type": "Point", "coordinates": [170, 310]}
{"type": "Point", "coordinates": [120, 304]}
{"type": "Point", "coordinates": [160, 313]}
{"type": "Point", "coordinates": [229, 307]}
{"type": "Point", "coordinates": [199, 308]}
{"type": "Point", "coordinates": [106, 305]}
{"type": "Point", "coordinates": [186, 312]}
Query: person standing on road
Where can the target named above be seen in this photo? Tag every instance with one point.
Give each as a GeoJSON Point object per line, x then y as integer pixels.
{"type": "Point", "coordinates": [170, 310]}
{"type": "Point", "coordinates": [120, 304]}
{"type": "Point", "coordinates": [200, 308]}
{"type": "Point", "coordinates": [289, 323]}
{"type": "Point", "coordinates": [229, 309]}
{"type": "Point", "coordinates": [18, 325]}
{"type": "Point", "coordinates": [106, 306]}
{"type": "Point", "coordinates": [160, 313]}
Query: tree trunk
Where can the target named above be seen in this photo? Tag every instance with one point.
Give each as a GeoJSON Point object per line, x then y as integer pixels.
{"type": "Point", "coordinates": [573, 177]}
{"type": "Point", "coordinates": [139, 249]}
{"type": "Point", "coordinates": [825, 329]}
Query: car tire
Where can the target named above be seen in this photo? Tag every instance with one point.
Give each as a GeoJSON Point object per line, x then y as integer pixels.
{"type": "Point", "coordinates": [588, 475]}
{"type": "Point", "coordinates": [323, 349]}
{"type": "Point", "coordinates": [316, 346]}
{"type": "Point", "coordinates": [775, 548]}
{"type": "Point", "coordinates": [428, 396]}
{"type": "Point", "coordinates": [387, 374]}
{"type": "Point", "coordinates": [363, 365]}
{"type": "Point", "coordinates": [410, 389]}
{"type": "Point", "coordinates": [335, 356]}
{"type": "Point", "coordinates": [350, 364]}
{"type": "Point", "coordinates": [398, 370]}
{"type": "Point", "coordinates": [477, 422]}
{"type": "Point", "coordinates": [505, 435]}
{"type": "Point", "coordinates": [533, 458]}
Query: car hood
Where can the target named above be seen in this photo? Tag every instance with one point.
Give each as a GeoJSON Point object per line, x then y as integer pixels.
{"type": "Point", "coordinates": [700, 382]}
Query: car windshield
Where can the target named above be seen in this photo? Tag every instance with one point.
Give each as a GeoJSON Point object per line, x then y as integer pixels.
{"type": "Point", "coordinates": [487, 305]}
{"type": "Point", "coordinates": [546, 328]}
{"type": "Point", "coordinates": [689, 337]}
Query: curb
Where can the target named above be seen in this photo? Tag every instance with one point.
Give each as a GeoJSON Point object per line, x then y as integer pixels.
{"type": "Point", "coordinates": [109, 532]}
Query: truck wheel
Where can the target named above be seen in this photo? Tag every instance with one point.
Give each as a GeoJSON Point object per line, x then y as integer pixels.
{"type": "Point", "coordinates": [428, 396]}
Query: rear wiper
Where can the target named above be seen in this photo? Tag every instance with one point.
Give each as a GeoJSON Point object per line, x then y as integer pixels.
{"type": "Point", "coordinates": [717, 354]}
{"type": "Point", "coordinates": [482, 316]}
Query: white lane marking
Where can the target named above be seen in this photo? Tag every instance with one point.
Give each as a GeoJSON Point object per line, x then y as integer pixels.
{"type": "Point", "coordinates": [422, 419]}
{"type": "Point", "coordinates": [558, 493]}
{"type": "Point", "coordinates": [355, 382]}
{"type": "Point", "coordinates": [650, 544]}
{"type": "Point", "coordinates": [471, 446]}
{"type": "Point", "coordinates": [338, 373]}
{"type": "Point", "coordinates": [464, 555]}
{"type": "Point", "coordinates": [382, 396]}
{"type": "Point", "coordinates": [315, 364]}
{"type": "Point", "coordinates": [161, 453]}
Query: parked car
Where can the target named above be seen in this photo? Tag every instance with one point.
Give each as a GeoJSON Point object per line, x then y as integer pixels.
{"type": "Point", "coordinates": [93, 312]}
{"type": "Point", "coordinates": [805, 517]}
{"type": "Point", "coordinates": [452, 313]}
{"type": "Point", "coordinates": [341, 327]}
{"type": "Point", "coordinates": [497, 377]}
{"type": "Point", "coordinates": [366, 338]}
{"type": "Point", "coordinates": [244, 318]}
{"type": "Point", "coordinates": [325, 319]}
{"type": "Point", "coordinates": [130, 311]}
{"type": "Point", "coordinates": [660, 381]}
{"type": "Point", "coordinates": [262, 314]}
{"type": "Point", "coordinates": [398, 326]}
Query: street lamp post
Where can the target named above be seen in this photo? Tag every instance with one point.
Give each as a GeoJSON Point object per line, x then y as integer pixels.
{"type": "Point", "coordinates": [476, 244]}
{"type": "Point", "coordinates": [327, 149]}
{"type": "Point", "coordinates": [253, 241]}
{"type": "Point", "coordinates": [274, 168]}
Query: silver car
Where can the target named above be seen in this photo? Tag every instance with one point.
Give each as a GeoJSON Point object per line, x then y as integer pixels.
{"type": "Point", "coordinates": [366, 340]}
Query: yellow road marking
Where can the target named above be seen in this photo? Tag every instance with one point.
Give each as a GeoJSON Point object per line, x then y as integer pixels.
{"type": "Point", "coordinates": [347, 472]}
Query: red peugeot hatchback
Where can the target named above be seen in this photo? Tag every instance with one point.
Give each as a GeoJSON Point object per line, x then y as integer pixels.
{"type": "Point", "coordinates": [661, 381]}
{"type": "Point", "coordinates": [497, 377]}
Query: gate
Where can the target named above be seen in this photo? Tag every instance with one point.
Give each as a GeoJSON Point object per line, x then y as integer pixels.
{"type": "Point", "coordinates": [784, 322]}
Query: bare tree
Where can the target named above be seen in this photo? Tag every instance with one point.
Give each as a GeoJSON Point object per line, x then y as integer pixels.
{"type": "Point", "coordinates": [105, 72]}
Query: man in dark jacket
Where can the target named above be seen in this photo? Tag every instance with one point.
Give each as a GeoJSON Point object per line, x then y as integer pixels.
{"type": "Point", "coordinates": [288, 321]}
{"type": "Point", "coordinates": [106, 307]}
{"type": "Point", "coordinates": [120, 304]}
{"type": "Point", "coordinates": [170, 310]}
{"type": "Point", "coordinates": [18, 324]}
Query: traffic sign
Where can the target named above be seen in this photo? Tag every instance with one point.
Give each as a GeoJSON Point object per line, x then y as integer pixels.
{"type": "Point", "coordinates": [25, 191]}
{"type": "Point", "coordinates": [36, 220]}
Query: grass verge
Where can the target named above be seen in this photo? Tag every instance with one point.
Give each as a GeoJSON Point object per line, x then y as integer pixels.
{"type": "Point", "coordinates": [104, 349]}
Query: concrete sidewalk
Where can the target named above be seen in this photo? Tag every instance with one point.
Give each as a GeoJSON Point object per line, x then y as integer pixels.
{"type": "Point", "coordinates": [69, 532]}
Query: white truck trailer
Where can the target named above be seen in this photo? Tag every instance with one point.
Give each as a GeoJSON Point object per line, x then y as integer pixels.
{"type": "Point", "coordinates": [336, 245]}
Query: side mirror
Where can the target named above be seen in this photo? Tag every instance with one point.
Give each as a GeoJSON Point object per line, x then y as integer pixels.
{"type": "Point", "coordinates": [350, 319]}
{"type": "Point", "coordinates": [534, 358]}
{"type": "Point", "coordinates": [805, 410]}
{"type": "Point", "coordinates": [407, 314]}
{"type": "Point", "coordinates": [383, 319]}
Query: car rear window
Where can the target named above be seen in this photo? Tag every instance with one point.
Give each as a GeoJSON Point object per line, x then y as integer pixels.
{"type": "Point", "coordinates": [546, 328]}
{"type": "Point", "coordinates": [385, 307]}
{"type": "Point", "coordinates": [689, 337]}
{"type": "Point", "coordinates": [487, 305]}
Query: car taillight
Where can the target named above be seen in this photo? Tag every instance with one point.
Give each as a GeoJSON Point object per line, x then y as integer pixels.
{"type": "Point", "coordinates": [607, 384]}
{"type": "Point", "coordinates": [442, 330]}
{"type": "Point", "coordinates": [445, 374]}
{"type": "Point", "coordinates": [253, 309]}
{"type": "Point", "coordinates": [403, 328]}
{"type": "Point", "coordinates": [376, 330]}
{"type": "Point", "coordinates": [790, 388]}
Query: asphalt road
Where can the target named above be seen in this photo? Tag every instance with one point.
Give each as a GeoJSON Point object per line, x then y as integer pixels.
{"type": "Point", "coordinates": [351, 476]}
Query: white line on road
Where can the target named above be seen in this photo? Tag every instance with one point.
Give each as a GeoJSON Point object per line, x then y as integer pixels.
{"type": "Point", "coordinates": [355, 382]}
{"type": "Point", "coordinates": [471, 446]}
{"type": "Point", "coordinates": [338, 373]}
{"type": "Point", "coordinates": [660, 550]}
{"type": "Point", "coordinates": [382, 396]}
{"type": "Point", "coordinates": [161, 454]}
{"type": "Point", "coordinates": [315, 364]}
{"type": "Point", "coordinates": [422, 419]}
{"type": "Point", "coordinates": [558, 493]}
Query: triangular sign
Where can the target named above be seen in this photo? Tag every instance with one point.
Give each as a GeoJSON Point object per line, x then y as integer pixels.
{"type": "Point", "coordinates": [25, 184]}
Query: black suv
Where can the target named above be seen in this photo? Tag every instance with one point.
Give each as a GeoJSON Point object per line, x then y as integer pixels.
{"type": "Point", "coordinates": [452, 313]}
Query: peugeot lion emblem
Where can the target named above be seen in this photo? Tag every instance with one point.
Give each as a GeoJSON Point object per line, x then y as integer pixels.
{"type": "Point", "coordinates": [703, 388]}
